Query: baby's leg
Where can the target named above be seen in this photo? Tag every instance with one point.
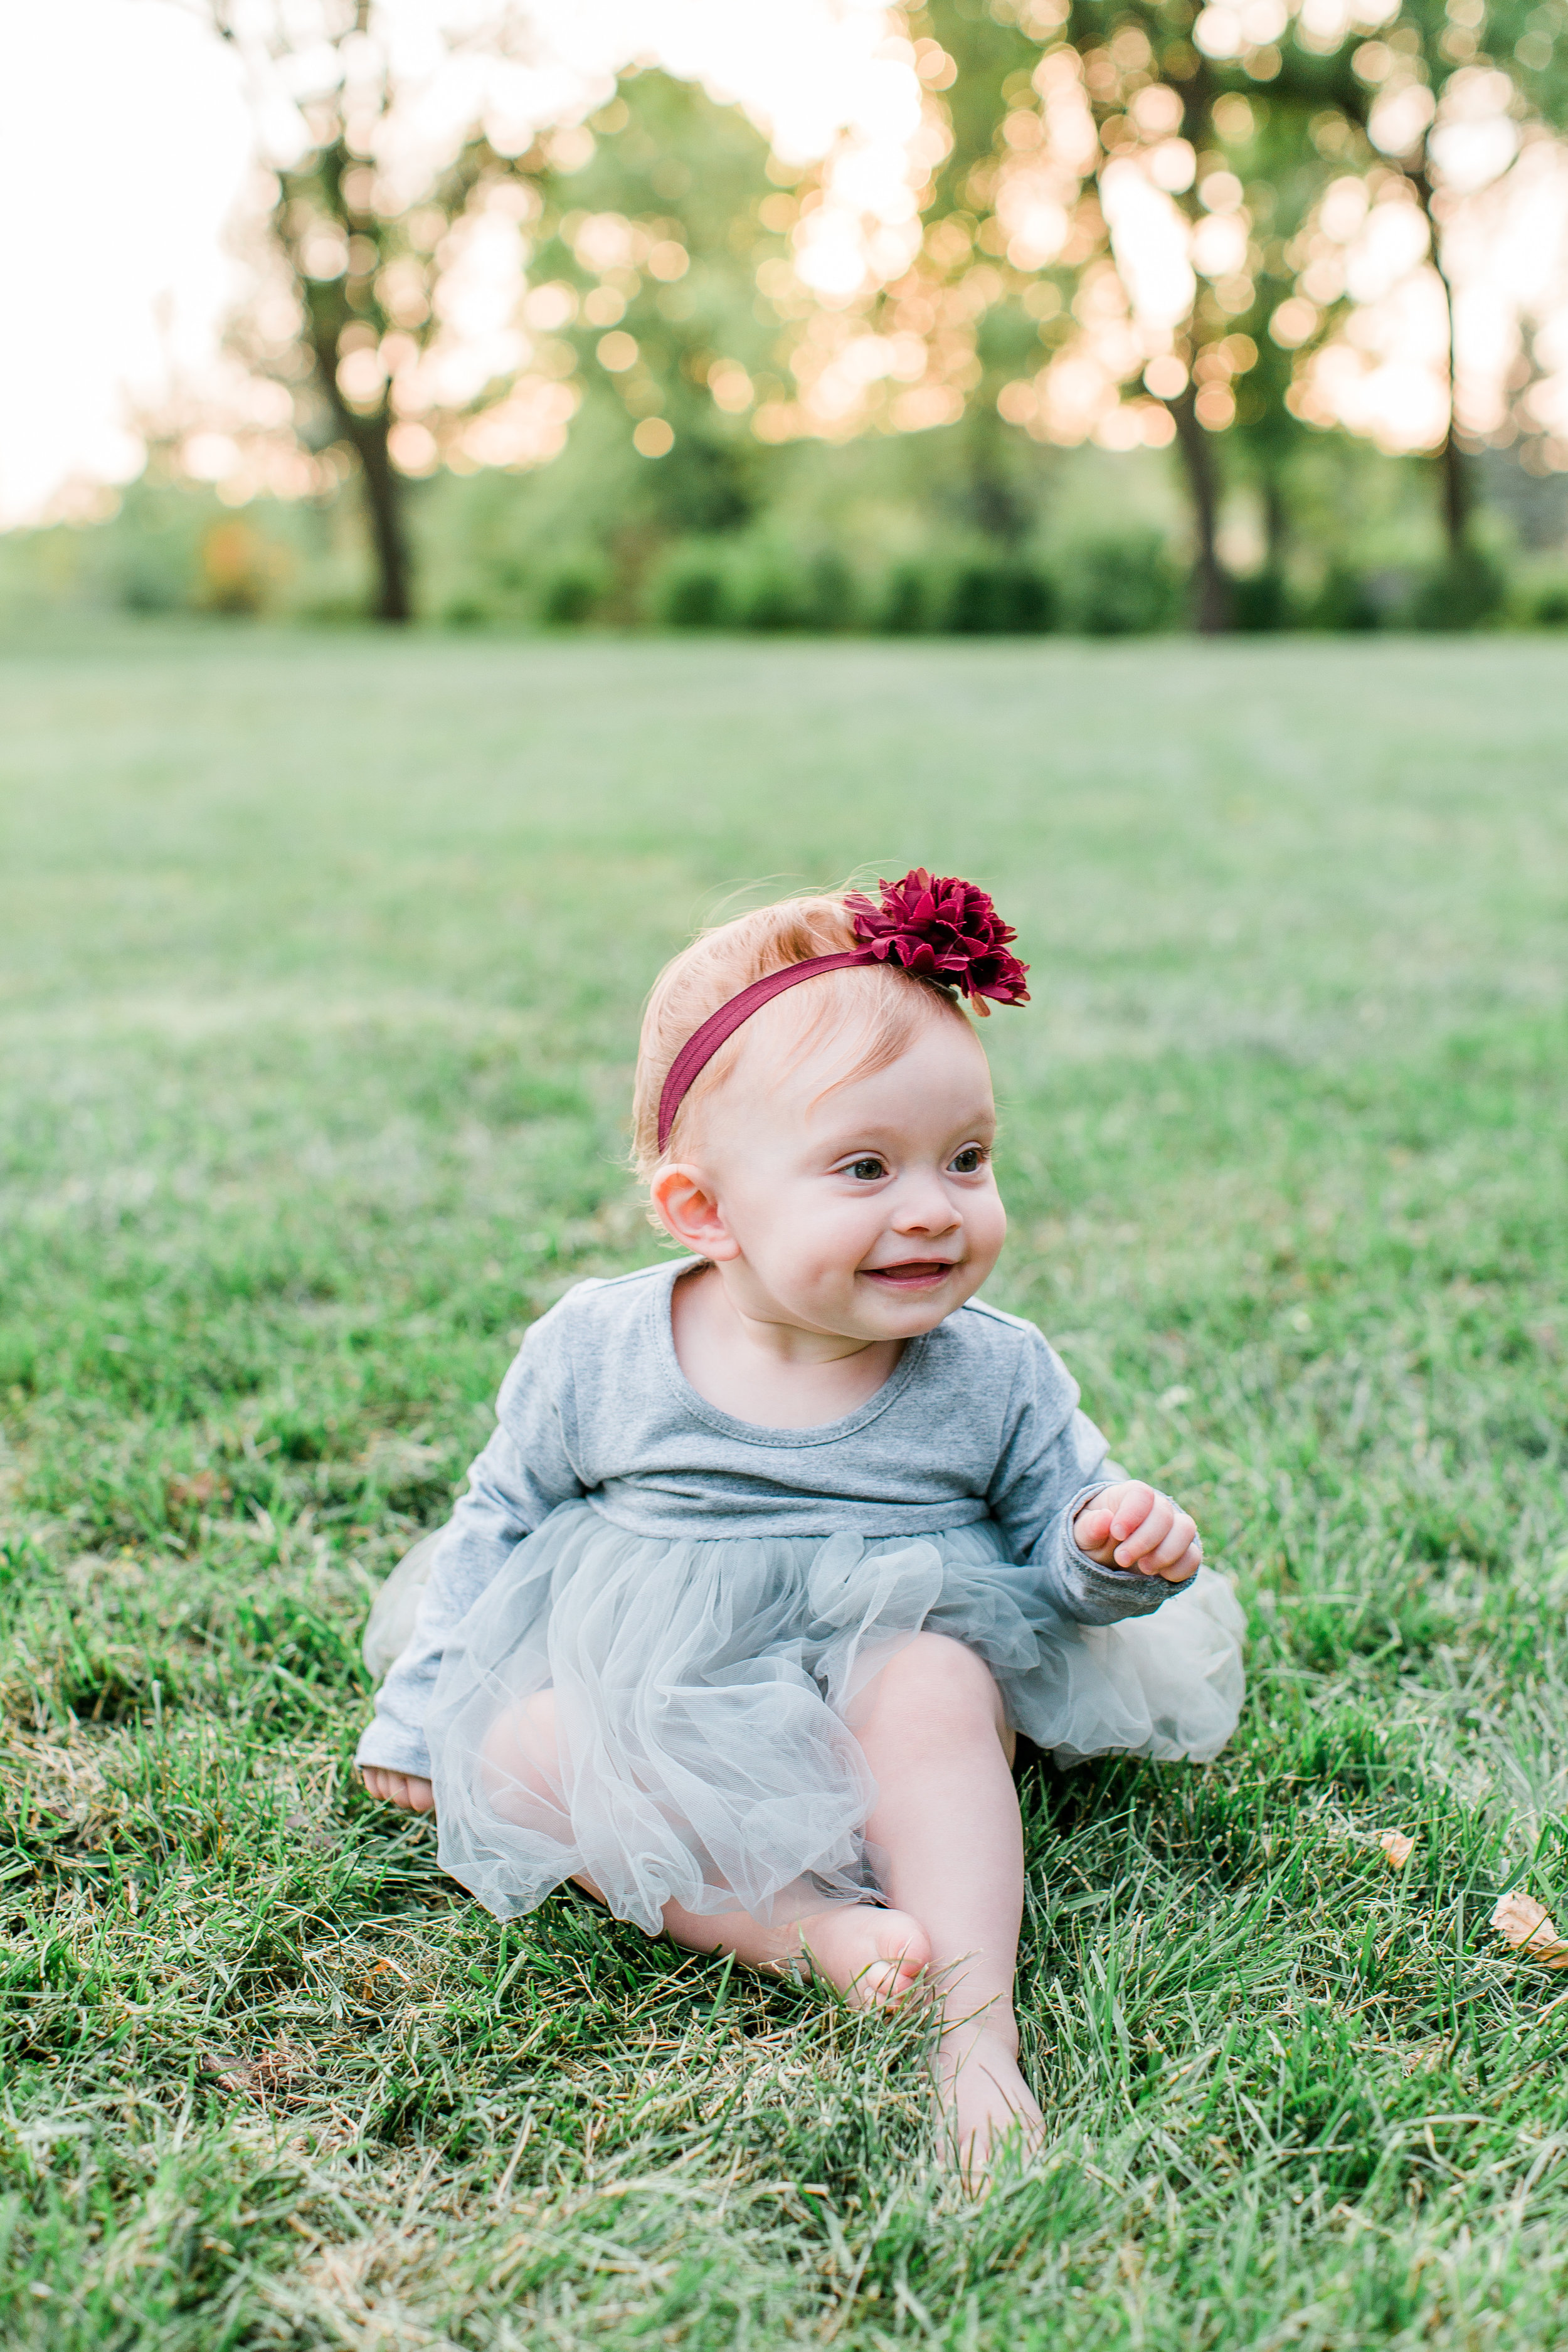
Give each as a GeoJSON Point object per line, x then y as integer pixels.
{"type": "Point", "coordinates": [875, 1956]}
{"type": "Point", "coordinates": [871, 1954]}
{"type": "Point", "coordinates": [936, 1740]}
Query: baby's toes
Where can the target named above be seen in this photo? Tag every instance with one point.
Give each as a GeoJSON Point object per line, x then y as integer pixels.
{"type": "Point", "coordinates": [882, 1957]}
{"type": "Point", "coordinates": [904, 1950]}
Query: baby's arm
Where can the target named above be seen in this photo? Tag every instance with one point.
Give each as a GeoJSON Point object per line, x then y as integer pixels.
{"type": "Point", "coordinates": [522, 1475]}
{"type": "Point", "coordinates": [1056, 1495]}
{"type": "Point", "coordinates": [1134, 1525]}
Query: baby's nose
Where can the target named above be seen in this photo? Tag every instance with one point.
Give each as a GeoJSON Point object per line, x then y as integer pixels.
{"type": "Point", "coordinates": [927, 1210]}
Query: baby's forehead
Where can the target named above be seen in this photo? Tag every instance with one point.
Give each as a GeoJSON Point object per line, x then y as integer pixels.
{"type": "Point", "coordinates": [837, 1071]}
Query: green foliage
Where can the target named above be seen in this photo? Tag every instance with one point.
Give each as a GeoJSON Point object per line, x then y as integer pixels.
{"type": "Point", "coordinates": [689, 175]}
{"type": "Point", "coordinates": [1467, 590]}
{"type": "Point", "coordinates": [1118, 585]}
{"type": "Point", "coordinates": [1284, 116]}
{"type": "Point", "coordinates": [691, 588]}
{"type": "Point", "coordinates": [1260, 602]}
{"type": "Point", "coordinates": [905, 607]}
{"type": "Point", "coordinates": [324, 957]}
{"type": "Point", "coordinates": [573, 590]}
{"type": "Point", "coordinates": [1540, 596]}
{"type": "Point", "coordinates": [1001, 596]}
{"type": "Point", "coordinates": [1345, 602]}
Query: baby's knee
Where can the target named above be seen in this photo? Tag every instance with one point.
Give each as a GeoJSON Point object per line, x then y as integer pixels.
{"type": "Point", "coordinates": [941, 1685]}
{"type": "Point", "coordinates": [522, 1745]}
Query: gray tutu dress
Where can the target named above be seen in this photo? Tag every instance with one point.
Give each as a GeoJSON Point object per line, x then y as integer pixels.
{"type": "Point", "coordinates": [690, 1604]}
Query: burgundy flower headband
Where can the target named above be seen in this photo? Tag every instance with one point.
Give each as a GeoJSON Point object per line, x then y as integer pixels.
{"type": "Point", "coordinates": [946, 932]}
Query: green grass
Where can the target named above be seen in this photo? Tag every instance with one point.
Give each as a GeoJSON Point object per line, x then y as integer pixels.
{"type": "Point", "coordinates": [319, 964]}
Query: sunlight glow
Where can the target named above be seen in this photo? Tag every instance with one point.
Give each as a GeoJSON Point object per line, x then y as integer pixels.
{"type": "Point", "coordinates": [121, 286]}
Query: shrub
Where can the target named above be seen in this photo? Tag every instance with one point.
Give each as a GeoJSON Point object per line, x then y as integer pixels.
{"type": "Point", "coordinates": [907, 601]}
{"type": "Point", "coordinates": [239, 568]}
{"type": "Point", "coordinates": [1465, 591]}
{"type": "Point", "coordinates": [764, 587]}
{"type": "Point", "coordinates": [1262, 601]}
{"type": "Point", "coordinates": [1345, 603]}
{"type": "Point", "coordinates": [1001, 597]}
{"type": "Point", "coordinates": [690, 590]}
{"type": "Point", "coordinates": [1122, 584]}
{"type": "Point", "coordinates": [1543, 602]}
{"type": "Point", "coordinates": [153, 562]}
{"type": "Point", "coordinates": [572, 591]}
{"type": "Point", "coordinates": [769, 596]}
{"type": "Point", "coordinates": [830, 595]}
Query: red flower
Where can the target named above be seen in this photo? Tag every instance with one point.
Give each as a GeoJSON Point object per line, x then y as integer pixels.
{"type": "Point", "coordinates": [942, 929]}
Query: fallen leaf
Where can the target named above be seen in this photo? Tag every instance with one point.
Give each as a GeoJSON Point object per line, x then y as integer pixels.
{"type": "Point", "coordinates": [233, 2073]}
{"type": "Point", "coordinates": [310, 1833]}
{"type": "Point", "coordinates": [399, 1461]}
{"type": "Point", "coordinates": [265, 2078]}
{"type": "Point", "coordinates": [1397, 1848]}
{"type": "Point", "coordinates": [195, 1493]}
{"type": "Point", "coordinates": [1523, 1922]}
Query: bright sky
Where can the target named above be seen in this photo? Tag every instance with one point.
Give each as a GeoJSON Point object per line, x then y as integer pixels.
{"type": "Point", "coordinates": [124, 142]}
{"type": "Point", "coordinates": [127, 139]}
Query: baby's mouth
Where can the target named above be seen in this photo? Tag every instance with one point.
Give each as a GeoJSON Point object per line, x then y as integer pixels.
{"type": "Point", "coordinates": [912, 1274]}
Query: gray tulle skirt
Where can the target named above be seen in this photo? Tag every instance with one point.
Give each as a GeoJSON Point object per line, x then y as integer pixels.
{"type": "Point", "coordinates": [667, 1719]}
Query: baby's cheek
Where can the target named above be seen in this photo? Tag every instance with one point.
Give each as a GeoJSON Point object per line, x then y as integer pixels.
{"type": "Point", "coordinates": [987, 1231]}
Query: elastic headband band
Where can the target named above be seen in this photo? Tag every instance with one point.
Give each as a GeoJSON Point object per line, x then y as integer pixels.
{"type": "Point", "coordinates": [946, 932]}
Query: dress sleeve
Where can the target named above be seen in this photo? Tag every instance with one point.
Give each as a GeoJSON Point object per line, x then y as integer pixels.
{"type": "Point", "coordinates": [524, 1473]}
{"type": "Point", "coordinates": [1053, 1461]}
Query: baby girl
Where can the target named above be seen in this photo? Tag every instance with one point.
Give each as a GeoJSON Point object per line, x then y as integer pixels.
{"type": "Point", "coordinates": [778, 1547]}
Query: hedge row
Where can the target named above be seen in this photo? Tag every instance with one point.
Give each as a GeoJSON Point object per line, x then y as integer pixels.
{"type": "Point", "coordinates": [1122, 584]}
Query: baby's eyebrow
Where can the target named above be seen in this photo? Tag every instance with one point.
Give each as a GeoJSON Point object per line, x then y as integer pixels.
{"type": "Point", "coordinates": [981, 1129]}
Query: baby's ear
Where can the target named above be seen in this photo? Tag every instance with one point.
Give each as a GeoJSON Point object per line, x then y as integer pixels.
{"type": "Point", "coordinates": [690, 1214]}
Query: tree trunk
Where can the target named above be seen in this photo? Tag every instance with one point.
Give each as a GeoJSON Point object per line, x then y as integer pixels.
{"type": "Point", "coordinates": [1456, 480]}
{"type": "Point", "coordinates": [383, 504]}
{"type": "Point", "coordinates": [1275, 524]}
{"type": "Point", "coordinates": [1452, 465]}
{"type": "Point", "coordinates": [380, 484]}
{"type": "Point", "coordinates": [993, 498]}
{"type": "Point", "coordinates": [1211, 599]}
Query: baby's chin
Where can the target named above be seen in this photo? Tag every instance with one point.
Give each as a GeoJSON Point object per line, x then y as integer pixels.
{"type": "Point", "coordinates": [917, 1293]}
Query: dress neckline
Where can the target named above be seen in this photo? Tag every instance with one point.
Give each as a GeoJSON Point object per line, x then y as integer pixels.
{"type": "Point", "coordinates": [758, 1433]}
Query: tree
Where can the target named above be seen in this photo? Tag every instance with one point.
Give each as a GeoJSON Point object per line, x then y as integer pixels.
{"type": "Point", "coordinates": [1075, 120]}
{"type": "Point", "coordinates": [656, 258]}
{"type": "Point", "coordinates": [1086, 124]}
{"type": "Point", "coordinates": [1406, 91]}
{"type": "Point", "coordinates": [371, 234]}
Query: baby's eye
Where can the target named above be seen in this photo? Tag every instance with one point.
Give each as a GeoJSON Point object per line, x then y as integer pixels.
{"type": "Point", "coordinates": [867, 1170]}
{"type": "Point", "coordinates": [970, 1160]}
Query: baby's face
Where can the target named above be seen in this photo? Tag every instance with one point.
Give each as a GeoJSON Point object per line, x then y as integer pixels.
{"type": "Point", "coordinates": [868, 1210]}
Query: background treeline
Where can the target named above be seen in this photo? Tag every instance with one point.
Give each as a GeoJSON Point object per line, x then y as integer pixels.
{"type": "Point", "coordinates": [1103, 555]}
{"type": "Point", "coordinates": [671, 350]}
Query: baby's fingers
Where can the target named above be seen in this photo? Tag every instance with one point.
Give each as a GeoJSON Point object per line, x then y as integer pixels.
{"type": "Point", "coordinates": [1192, 1559]}
{"type": "Point", "coordinates": [1135, 1544]}
{"type": "Point", "coordinates": [1092, 1528]}
{"type": "Point", "coordinates": [1178, 1541]}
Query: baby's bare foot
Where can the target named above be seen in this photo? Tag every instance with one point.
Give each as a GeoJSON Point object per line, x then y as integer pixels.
{"type": "Point", "coordinates": [986, 2099]}
{"type": "Point", "coordinates": [404, 1788]}
{"type": "Point", "coordinates": [876, 1957]}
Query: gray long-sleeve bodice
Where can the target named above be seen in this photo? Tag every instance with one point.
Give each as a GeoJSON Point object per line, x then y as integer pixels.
{"type": "Point", "coordinates": [979, 1420]}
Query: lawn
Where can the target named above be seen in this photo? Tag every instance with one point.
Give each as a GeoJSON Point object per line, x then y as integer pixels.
{"type": "Point", "coordinates": [319, 964]}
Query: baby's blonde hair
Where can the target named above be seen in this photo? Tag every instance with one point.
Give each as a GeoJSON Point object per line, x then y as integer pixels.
{"type": "Point", "coordinates": [886, 1004]}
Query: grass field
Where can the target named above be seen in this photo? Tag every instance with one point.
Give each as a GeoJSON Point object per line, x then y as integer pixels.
{"type": "Point", "coordinates": [320, 961]}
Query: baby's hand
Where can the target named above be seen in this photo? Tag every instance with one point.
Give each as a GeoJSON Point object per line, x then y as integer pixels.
{"type": "Point", "coordinates": [1132, 1526]}
{"type": "Point", "coordinates": [404, 1788]}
